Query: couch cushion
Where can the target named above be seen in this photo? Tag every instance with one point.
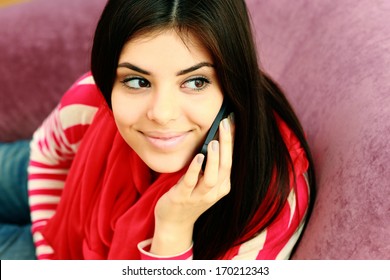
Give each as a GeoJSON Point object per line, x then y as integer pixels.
{"type": "Point", "coordinates": [333, 60]}
{"type": "Point", "coordinates": [44, 47]}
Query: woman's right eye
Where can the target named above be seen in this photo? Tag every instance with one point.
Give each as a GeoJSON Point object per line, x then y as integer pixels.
{"type": "Point", "coordinates": [136, 83]}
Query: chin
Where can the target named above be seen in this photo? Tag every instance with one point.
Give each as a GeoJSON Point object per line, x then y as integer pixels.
{"type": "Point", "coordinates": [165, 168]}
{"type": "Point", "coordinates": [166, 165]}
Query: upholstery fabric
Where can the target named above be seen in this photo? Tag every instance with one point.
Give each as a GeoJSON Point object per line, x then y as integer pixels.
{"type": "Point", "coordinates": [332, 58]}
{"type": "Point", "coordinates": [44, 47]}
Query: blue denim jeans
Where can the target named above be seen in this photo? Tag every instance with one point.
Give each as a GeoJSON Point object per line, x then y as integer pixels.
{"type": "Point", "coordinates": [15, 225]}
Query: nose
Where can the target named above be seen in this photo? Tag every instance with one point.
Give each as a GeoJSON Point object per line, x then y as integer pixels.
{"type": "Point", "coordinates": [164, 106]}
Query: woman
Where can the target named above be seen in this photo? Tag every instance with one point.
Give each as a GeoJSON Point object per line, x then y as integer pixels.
{"type": "Point", "coordinates": [122, 148]}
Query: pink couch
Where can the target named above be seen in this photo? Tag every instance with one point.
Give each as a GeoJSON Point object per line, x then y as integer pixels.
{"type": "Point", "coordinates": [44, 47]}
{"type": "Point", "coordinates": [332, 58]}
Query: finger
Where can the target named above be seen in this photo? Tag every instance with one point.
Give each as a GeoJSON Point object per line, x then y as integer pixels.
{"type": "Point", "coordinates": [191, 177]}
{"type": "Point", "coordinates": [226, 148]}
{"type": "Point", "coordinates": [210, 178]}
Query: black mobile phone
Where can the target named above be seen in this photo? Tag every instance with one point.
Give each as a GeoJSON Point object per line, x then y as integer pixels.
{"type": "Point", "coordinates": [223, 113]}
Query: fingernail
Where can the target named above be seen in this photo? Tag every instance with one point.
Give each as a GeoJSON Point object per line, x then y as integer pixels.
{"type": "Point", "coordinates": [200, 158]}
{"type": "Point", "coordinates": [215, 146]}
{"type": "Point", "coordinates": [225, 124]}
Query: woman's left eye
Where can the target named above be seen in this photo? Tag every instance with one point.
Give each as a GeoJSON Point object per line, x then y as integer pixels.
{"type": "Point", "coordinates": [198, 83]}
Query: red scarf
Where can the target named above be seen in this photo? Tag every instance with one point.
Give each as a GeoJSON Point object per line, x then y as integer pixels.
{"type": "Point", "coordinates": [107, 206]}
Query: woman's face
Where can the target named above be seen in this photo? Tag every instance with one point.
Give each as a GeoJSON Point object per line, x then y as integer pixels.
{"type": "Point", "coordinates": [165, 98]}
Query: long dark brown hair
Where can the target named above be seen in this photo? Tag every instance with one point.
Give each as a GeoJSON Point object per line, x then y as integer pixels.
{"type": "Point", "coordinates": [224, 29]}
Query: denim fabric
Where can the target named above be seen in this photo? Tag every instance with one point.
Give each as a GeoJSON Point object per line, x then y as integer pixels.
{"type": "Point", "coordinates": [16, 242]}
{"type": "Point", "coordinates": [14, 159]}
{"type": "Point", "coordinates": [15, 224]}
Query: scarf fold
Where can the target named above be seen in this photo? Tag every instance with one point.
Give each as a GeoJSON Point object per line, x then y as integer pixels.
{"type": "Point", "coordinates": [107, 205]}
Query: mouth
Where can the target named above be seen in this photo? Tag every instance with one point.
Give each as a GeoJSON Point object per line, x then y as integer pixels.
{"type": "Point", "coordinates": [165, 141]}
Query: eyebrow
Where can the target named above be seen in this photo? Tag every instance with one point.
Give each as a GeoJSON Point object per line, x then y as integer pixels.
{"type": "Point", "coordinates": [180, 73]}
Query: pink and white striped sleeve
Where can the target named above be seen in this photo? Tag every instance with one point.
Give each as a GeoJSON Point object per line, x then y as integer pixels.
{"type": "Point", "coordinates": [53, 148]}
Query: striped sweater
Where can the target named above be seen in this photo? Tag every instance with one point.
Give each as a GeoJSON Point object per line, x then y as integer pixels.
{"type": "Point", "coordinates": [55, 144]}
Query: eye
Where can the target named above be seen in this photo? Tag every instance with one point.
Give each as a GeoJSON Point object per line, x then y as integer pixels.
{"type": "Point", "coordinates": [198, 83]}
{"type": "Point", "coordinates": [136, 83]}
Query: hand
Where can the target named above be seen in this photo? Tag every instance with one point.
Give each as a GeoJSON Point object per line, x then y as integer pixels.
{"type": "Point", "coordinates": [177, 210]}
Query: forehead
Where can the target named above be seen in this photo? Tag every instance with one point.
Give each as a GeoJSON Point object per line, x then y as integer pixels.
{"type": "Point", "coordinates": [162, 44]}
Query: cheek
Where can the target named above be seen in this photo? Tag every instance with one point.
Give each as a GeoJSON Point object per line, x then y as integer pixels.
{"type": "Point", "coordinates": [126, 112]}
{"type": "Point", "coordinates": [204, 114]}
{"type": "Point", "coordinates": [124, 116]}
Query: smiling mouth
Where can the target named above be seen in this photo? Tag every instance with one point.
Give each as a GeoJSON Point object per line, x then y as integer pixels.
{"type": "Point", "coordinates": [165, 141]}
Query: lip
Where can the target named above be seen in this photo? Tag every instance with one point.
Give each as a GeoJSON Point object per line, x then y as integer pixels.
{"type": "Point", "coordinates": [165, 140]}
